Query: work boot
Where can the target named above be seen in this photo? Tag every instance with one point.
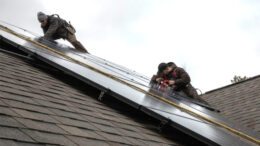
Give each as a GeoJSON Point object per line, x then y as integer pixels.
{"type": "Point", "coordinates": [79, 47]}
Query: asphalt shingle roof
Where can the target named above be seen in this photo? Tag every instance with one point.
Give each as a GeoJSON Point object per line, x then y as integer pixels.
{"type": "Point", "coordinates": [38, 109]}
{"type": "Point", "coordinates": [239, 102]}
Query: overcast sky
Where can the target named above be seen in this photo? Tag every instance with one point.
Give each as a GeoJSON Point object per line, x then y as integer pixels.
{"type": "Point", "coordinates": [212, 39]}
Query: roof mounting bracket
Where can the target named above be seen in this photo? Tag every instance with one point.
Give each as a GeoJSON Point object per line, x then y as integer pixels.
{"type": "Point", "coordinates": [33, 54]}
{"type": "Point", "coordinates": [139, 107]}
{"type": "Point", "coordinates": [102, 93]}
{"type": "Point", "coordinates": [163, 124]}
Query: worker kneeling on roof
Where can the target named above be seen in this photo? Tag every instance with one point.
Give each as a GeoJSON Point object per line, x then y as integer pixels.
{"type": "Point", "coordinates": [56, 28]}
{"type": "Point", "coordinates": [176, 78]}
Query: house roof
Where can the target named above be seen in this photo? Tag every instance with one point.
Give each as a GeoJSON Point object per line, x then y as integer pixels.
{"type": "Point", "coordinates": [37, 108]}
{"type": "Point", "coordinates": [239, 102]}
{"type": "Point", "coordinates": [99, 116]}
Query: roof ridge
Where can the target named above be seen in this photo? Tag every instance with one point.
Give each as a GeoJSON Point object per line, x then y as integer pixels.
{"type": "Point", "coordinates": [233, 84]}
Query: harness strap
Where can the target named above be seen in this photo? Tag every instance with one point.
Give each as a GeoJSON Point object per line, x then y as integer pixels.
{"type": "Point", "coordinates": [65, 24]}
{"type": "Point", "coordinates": [175, 74]}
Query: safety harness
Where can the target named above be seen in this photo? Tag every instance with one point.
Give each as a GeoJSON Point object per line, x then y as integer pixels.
{"type": "Point", "coordinates": [65, 24]}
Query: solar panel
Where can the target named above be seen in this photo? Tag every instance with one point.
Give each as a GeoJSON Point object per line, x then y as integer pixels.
{"type": "Point", "coordinates": [133, 88]}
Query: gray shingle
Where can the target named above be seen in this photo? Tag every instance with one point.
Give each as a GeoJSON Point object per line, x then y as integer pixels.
{"type": "Point", "coordinates": [1, 103]}
{"type": "Point", "coordinates": [17, 98]}
{"type": "Point", "coordinates": [20, 92]}
{"type": "Point", "coordinates": [3, 78]}
{"type": "Point", "coordinates": [81, 132]}
{"type": "Point", "coordinates": [127, 127]}
{"type": "Point", "coordinates": [147, 130]}
{"type": "Point", "coordinates": [53, 91]}
{"type": "Point", "coordinates": [9, 121]}
{"type": "Point", "coordinates": [7, 142]}
{"type": "Point", "coordinates": [131, 134]}
{"type": "Point", "coordinates": [46, 103]}
{"type": "Point", "coordinates": [25, 106]}
{"type": "Point", "coordinates": [67, 114]}
{"type": "Point", "coordinates": [97, 120]}
{"type": "Point", "coordinates": [75, 123]}
{"type": "Point", "coordinates": [43, 93]}
{"type": "Point", "coordinates": [113, 118]}
{"type": "Point", "coordinates": [48, 138]}
{"type": "Point", "coordinates": [11, 85]}
{"type": "Point", "coordinates": [135, 141]}
{"type": "Point", "coordinates": [87, 142]}
{"type": "Point", "coordinates": [84, 111]}
{"type": "Point", "coordinates": [114, 138]}
{"type": "Point", "coordinates": [14, 133]}
{"type": "Point", "coordinates": [107, 129]}
{"type": "Point", "coordinates": [154, 138]}
{"type": "Point", "coordinates": [19, 77]}
{"type": "Point", "coordinates": [76, 100]}
{"type": "Point", "coordinates": [129, 122]}
{"type": "Point", "coordinates": [50, 112]}
{"type": "Point", "coordinates": [34, 115]}
{"type": "Point", "coordinates": [42, 126]}
{"type": "Point", "coordinates": [239, 102]}
{"type": "Point", "coordinates": [152, 143]}
{"type": "Point", "coordinates": [7, 111]}
{"type": "Point", "coordinates": [59, 101]}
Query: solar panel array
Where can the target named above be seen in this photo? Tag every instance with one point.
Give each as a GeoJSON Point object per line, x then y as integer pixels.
{"type": "Point", "coordinates": [133, 88]}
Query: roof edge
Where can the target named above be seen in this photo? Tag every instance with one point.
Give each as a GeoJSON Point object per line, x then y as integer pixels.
{"type": "Point", "coordinates": [249, 79]}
